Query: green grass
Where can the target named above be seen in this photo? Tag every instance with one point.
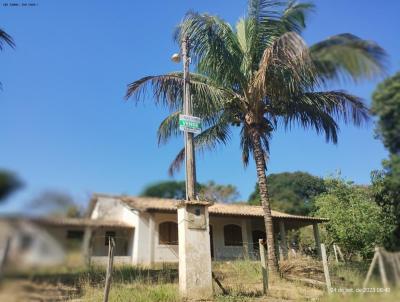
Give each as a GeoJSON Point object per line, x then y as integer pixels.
{"type": "Point", "coordinates": [133, 292]}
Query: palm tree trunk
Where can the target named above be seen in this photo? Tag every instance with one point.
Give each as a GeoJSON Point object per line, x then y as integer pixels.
{"type": "Point", "coordinates": [262, 183]}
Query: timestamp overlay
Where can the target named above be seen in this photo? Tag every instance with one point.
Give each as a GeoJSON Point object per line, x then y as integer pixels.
{"type": "Point", "coordinates": [382, 290]}
{"type": "Point", "coordinates": [22, 4]}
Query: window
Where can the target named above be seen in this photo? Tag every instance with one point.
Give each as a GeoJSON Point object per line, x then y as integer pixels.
{"type": "Point", "coordinates": [75, 235]}
{"type": "Point", "coordinates": [168, 233]}
{"type": "Point", "coordinates": [109, 234]}
{"type": "Point", "coordinates": [233, 235]}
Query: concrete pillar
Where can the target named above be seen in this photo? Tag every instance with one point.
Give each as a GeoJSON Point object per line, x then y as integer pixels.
{"type": "Point", "coordinates": [151, 238]}
{"type": "Point", "coordinates": [317, 240]}
{"type": "Point", "coordinates": [277, 248]}
{"type": "Point", "coordinates": [245, 239]}
{"type": "Point", "coordinates": [86, 245]}
{"type": "Point", "coordinates": [282, 232]}
{"type": "Point", "coordinates": [195, 280]}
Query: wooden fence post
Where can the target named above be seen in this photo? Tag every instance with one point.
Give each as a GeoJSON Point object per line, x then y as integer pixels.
{"type": "Point", "coordinates": [326, 270]}
{"type": "Point", "coordinates": [382, 270]}
{"type": "Point", "coordinates": [340, 253]}
{"type": "Point", "coordinates": [371, 268]}
{"type": "Point", "coordinates": [111, 245]}
{"type": "Point", "coordinates": [264, 267]}
{"type": "Point", "coordinates": [334, 250]}
{"type": "Point", "coordinates": [4, 256]}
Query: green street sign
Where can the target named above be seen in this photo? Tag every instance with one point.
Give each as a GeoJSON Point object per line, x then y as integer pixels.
{"type": "Point", "coordinates": [190, 123]}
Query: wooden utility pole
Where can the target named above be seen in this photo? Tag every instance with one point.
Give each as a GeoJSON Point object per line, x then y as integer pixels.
{"type": "Point", "coordinates": [187, 110]}
{"type": "Point", "coordinates": [195, 274]}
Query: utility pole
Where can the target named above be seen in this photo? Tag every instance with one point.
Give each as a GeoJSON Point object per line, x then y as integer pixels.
{"type": "Point", "coordinates": [195, 276]}
{"type": "Point", "coordinates": [190, 164]}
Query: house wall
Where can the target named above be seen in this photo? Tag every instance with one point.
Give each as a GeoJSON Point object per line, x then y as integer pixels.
{"type": "Point", "coordinates": [123, 241]}
{"type": "Point", "coordinates": [109, 208]}
{"type": "Point", "coordinates": [169, 253]}
{"type": "Point", "coordinates": [163, 252]}
{"type": "Point", "coordinates": [221, 251]}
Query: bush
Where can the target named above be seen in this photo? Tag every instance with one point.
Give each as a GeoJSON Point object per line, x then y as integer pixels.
{"type": "Point", "coordinates": [356, 223]}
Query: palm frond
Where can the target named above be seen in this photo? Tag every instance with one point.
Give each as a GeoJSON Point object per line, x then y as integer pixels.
{"type": "Point", "coordinates": [295, 15]}
{"type": "Point", "coordinates": [285, 69]}
{"type": "Point", "coordinates": [263, 10]}
{"type": "Point", "coordinates": [214, 46]}
{"type": "Point", "coordinates": [346, 56]}
{"type": "Point", "coordinates": [6, 38]}
{"type": "Point", "coordinates": [168, 127]}
{"type": "Point", "coordinates": [322, 111]}
{"type": "Point", "coordinates": [168, 90]}
{"type": "Point", "coordinates": [209, 139]}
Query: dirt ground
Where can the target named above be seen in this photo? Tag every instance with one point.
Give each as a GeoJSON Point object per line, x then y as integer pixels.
{"type": "Point", "coordinates": [28, 291]}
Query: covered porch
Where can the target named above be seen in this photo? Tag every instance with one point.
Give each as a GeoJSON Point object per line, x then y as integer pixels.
{"type": "Point", "coordinates": [91, 236]}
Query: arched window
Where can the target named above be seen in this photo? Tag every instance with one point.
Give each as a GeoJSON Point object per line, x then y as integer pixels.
{"type": "Point", "coordinates": [233, 235]}
{"type": "Point", "coordinates": [168, 233]}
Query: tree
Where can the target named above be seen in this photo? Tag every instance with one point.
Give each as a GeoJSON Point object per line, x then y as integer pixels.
{"type": "Point", "coordinates": [54, 203]}
{"type": "Point", "coordinates": [9, 183]}
{"type": "Point", "coordinates": [386, 105]}
{"type": "Point", "coordinates": [386, 183]}
{"type": "Point", "coordinates": [356, 222]}
{"type": "Point", "coordinates": [166, 189]}
{"type": "Point", "coordinates": [291, 192]}
{"type": "Point", "coordinates": [177, 189]}
{"type": "Point", "coordinates": [259, 76]}
{"type": "Point", "coordinates": [218, 193]}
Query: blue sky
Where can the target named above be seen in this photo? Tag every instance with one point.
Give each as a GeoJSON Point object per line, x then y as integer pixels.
{"type": "Point", "coordinates": [65, 126]}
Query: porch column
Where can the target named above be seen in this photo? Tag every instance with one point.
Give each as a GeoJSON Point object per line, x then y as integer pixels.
{"type": "Point", "coordinates": [283, 239]}
{"type": "Point", "coordinates": [151, 238]}
{"type": "Point", "coordinates": [86, 245]}
{"type": "Point", "coordinates": [245, 239]}
{"type": "Point", "coordinates": [277, 249]}
{"type": "Point", "coordinates": [317, 240]}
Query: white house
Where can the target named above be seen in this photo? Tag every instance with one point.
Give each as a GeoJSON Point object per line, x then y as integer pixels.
{"type": "Point", "coordinates": [148, 229]}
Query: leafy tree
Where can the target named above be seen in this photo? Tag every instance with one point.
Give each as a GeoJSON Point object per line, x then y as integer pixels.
{"type": "Point", "coordinates": [261, 75]}
{"type": "Point", "coordinates": [356, 222]}
{"type": "Point", "coordinates": [386, 105]}
{"type": "Point", "coordinates": [54, 203]}
{"type": "Point", "coordinates": [386, 190]}
{"type": "Point", "coordinates": [9, 183]}
{"type": "Point", "coordinates": [291, 192]}
{"type": "Point", "coordinates": [166, 189]}
{"type": "Point", "coordinates": [218, 193]}
{"type": "Point", "coordinates": [386, 183]}
{"type": "Point", "coordinates": [177, 189]}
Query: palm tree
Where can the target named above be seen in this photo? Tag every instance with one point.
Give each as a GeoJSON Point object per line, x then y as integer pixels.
{"type": "Point", "coordinates": [260, 76]}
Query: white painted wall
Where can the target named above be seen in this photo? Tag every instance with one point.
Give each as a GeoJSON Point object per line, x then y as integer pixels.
{"type": "Point", "coordinates": [164, 252]}
{"type": "Point", "coordinates": [146, 249]}
{"type": "Point", "coordinates": [108, 208]}
{"type": "Point", "coordinates": [222, 252]}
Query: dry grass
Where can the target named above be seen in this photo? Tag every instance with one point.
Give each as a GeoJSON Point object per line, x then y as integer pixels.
{"type": "Point", "coordinates": [242, 279]}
